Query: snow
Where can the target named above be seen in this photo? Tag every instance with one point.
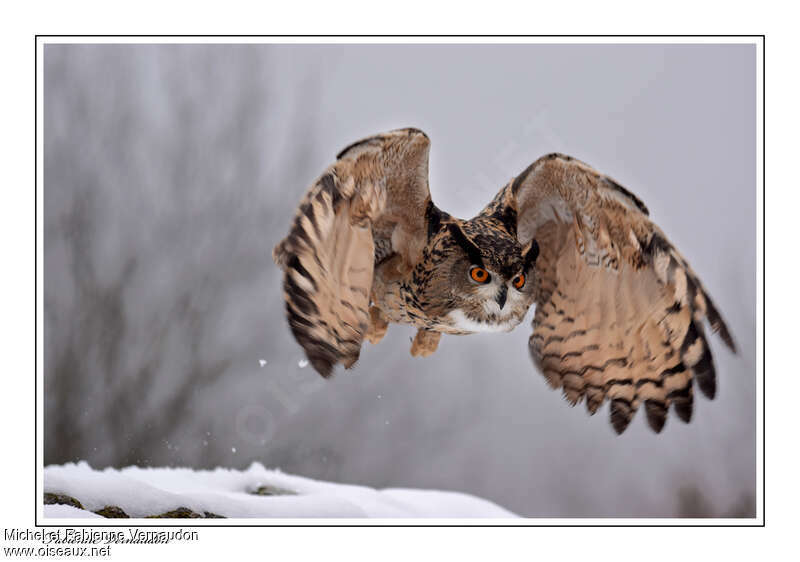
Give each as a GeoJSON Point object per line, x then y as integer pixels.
{"type": "Point", "coordinates": [62, 511]}
{"type": "Point", "coordinates": [150, 491]}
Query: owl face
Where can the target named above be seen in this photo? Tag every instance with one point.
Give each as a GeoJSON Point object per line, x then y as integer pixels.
{"type": "Point", "coordinates": [487, 275]}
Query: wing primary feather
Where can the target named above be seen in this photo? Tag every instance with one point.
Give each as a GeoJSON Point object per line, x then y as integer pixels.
{"type": "Point", "coordinates": [627, 292]}
{"type": "Point", "coordinates": [621, 414]}
{"type": "Point", "coordinates": [682, 401]}
{"type": "Point", "coordinates": [717, 324]}
{"type": "Point", "coordinates": [344, 224]}
{"type": "Point", "coordinates": [656, 414]}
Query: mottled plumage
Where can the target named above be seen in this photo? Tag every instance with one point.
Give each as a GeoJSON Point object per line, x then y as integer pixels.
{"type": "Point", "coordinates": [618, 310]}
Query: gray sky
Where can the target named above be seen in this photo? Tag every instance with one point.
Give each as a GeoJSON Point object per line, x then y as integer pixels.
{"type": "Point", "coordinates": [171, 171]}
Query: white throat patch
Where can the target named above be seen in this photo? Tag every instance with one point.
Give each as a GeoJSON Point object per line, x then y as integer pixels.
{"type": "Point", "coordinates": [460, 321]}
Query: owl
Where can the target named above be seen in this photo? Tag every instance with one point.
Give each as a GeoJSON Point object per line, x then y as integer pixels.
{"type": "Point", "coordinates": [618, 311]}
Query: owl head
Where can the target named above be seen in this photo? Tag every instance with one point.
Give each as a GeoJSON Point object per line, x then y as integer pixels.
{"type": "Point", "coordinates": [487, 275]}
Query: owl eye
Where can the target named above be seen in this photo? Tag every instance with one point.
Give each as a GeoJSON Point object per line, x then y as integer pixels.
{"type": "Point", "coordinates": [479, 275]}
{"type": "Point", "coordinates": [519, 281]}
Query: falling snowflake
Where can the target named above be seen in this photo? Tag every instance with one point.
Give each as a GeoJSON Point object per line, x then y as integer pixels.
{"type": "Point", "coordinates": [262, 362]}
{"type": "Point", "coordinates": [303, 363]}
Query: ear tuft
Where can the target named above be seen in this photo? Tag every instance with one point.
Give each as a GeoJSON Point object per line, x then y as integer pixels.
{"type": "Point", "coordinates": [530, 253]}
{"type": "Point", "coordinates": [469, 247]}
{"type": "Point", "coordinates": [434, 217]}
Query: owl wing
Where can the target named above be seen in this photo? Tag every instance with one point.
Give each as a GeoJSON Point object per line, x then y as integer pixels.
{"type": "Point", "coordinates": [618, 310]}
{"type": "Point", "coordinates": [369, 204]}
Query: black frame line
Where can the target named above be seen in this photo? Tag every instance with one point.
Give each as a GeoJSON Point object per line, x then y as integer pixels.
{"type": "Point", "coordinates": [174, 523]}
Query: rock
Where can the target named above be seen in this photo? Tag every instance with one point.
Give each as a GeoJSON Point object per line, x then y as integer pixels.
{"type": "Point", "coordinates": [50, 499]}
{"type": "Point", "coordinates": [179, 513]}
{"type": "Point", "coordinates": [115, 512]}
{"type": "Point", "coordinates": [267, 490]}
{"type": "Point", "coordinates": [112, 512]}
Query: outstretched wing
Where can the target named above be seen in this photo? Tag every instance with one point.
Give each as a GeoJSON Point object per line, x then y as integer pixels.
{"type": "Point", "coordinates": [618, 310]}
{"type": "Point", "coordinates": [367, 205]}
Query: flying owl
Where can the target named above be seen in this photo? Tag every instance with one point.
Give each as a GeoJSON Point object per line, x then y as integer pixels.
{"type": "Point", "coordinates": [619, 312]}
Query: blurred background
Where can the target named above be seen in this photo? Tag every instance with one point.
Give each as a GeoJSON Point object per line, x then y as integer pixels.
{"type": "Point", "coordinates": [170, 171]}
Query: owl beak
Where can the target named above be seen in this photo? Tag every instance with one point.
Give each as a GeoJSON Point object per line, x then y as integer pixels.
{"type": "Point", "coordinates": [501, 296]}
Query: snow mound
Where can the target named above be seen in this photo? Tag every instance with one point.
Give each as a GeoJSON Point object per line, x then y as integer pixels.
{"type": "Point", "coordinates": [253, 493]}
{"type": "Point", "coordinates": [67, 511]}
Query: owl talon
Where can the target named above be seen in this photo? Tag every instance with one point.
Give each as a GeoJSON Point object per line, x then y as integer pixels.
{"type": "Point", "coordinates": [425, 343]}
{"type": "Point", "coordinates": [378, 324]}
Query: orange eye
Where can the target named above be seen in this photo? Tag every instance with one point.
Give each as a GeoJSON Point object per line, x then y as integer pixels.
{"type": "Point", "coordinates": [519, 281]}
{"type": "Point", "coordinates": [479, 274]}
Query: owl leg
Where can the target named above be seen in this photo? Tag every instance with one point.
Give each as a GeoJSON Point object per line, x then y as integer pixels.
{"type": "Point", "coordinates": [378, 324]}
{"type": "Point", "coordinates": [425, 343]}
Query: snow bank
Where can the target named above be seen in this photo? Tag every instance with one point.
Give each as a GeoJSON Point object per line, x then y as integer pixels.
{"type": "Point", "coordinates": [142, 492]}
{"type": "Point", "coordinates": [70, 512]}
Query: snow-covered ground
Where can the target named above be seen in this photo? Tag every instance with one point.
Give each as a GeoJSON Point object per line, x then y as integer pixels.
{"type": "Point", "coordinates": [142, 492]}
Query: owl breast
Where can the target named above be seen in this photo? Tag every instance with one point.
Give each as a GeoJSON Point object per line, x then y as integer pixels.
{"type": "Point", "coordinates": [464, 324]}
